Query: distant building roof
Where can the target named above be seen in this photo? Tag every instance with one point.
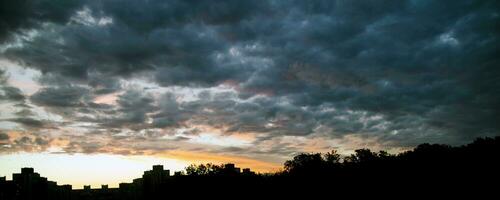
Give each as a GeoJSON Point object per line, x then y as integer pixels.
{"type": "Point", "coordinates": [27, 170]}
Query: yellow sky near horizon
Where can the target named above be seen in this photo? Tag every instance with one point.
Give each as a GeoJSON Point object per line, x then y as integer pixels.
{"type": "Point", "coordinates": [98, 169]}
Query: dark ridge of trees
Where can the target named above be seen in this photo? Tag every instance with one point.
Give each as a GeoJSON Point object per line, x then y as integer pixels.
{"type": "Point", "coordinates": [432, 165]}
{"type": "Point", "coordinates": [425, 170]}
{"type": "Point", "coordinates": [432, 158]}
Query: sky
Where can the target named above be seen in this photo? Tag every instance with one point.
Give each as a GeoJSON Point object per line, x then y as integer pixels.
{"type": "Point", "coordinates": [95, 92]}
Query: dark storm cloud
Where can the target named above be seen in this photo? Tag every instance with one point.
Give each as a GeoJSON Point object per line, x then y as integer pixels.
{"type": "Point", "coordinates": [177, 13]}
{"type": "Point", "coordinates": [3, 77]}
{"type": "Point", "coordinates": [28, 122]}
{"type": "Point", "coordinates": [31, 122]}
{"type": "Point", "coordinates": [3, 136]}
{"type": "Point", "coordinates": [177, 38]}
{"type": "Point", "coordinates": [98, 84]}
{"type": "Point", "coordinates": [402, 71]}
{"type": "Point", "coordinates": [131, 111]}
{"type": "Point", "coordinates": [22, 14]}
{"type": "Point", "coordinates": [409, 61]}
{"type": "Point", "coordinates": [104, 85]}
{"type": "Point", "coordinates": [221, 110]}
{"type": "Point", "coordinates": [9, 93]}
{"type": "Point", "coordinates": [64, 96]}
{"type": "Point", "coordinates": [170, 114]}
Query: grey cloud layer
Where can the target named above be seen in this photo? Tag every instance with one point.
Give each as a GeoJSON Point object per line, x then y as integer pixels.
{"type": "Point", "coordinates": [401, 71]}
{"type": "Point", "coordinates": [17, 15]}
{"type": "Point", "coordinates": [7, 92]}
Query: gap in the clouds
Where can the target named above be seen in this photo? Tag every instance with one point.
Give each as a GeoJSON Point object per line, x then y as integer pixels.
{"type": "Point", "coordinates": [21, 77]}
{"type": "Point", "coordinates": [86, 169]}
{"type": "Point", "coordinates": [25, 79]}
{"type": "Point", "coordinates": [215, 139]}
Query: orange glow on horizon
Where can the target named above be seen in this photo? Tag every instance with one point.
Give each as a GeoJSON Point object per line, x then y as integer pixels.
{"type": "Point", "coordinates": [112, 169]}
{"type": "Point", "coordinates": [239, 161]}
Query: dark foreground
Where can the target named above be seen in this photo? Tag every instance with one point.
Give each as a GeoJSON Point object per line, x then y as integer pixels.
{"type": "Point", "coordinates": [471, 169]}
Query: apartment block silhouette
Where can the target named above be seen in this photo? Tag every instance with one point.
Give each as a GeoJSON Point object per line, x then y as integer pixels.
{"type": "Point", "coordinates": [29, 185]}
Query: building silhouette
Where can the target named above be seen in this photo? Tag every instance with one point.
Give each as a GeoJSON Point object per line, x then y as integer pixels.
{"type": "Point", "coordinates": [29, 185]}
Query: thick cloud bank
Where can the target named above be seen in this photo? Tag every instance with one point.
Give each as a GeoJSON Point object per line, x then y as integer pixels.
{"type": "Point", "coordinates": [396, 73]}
